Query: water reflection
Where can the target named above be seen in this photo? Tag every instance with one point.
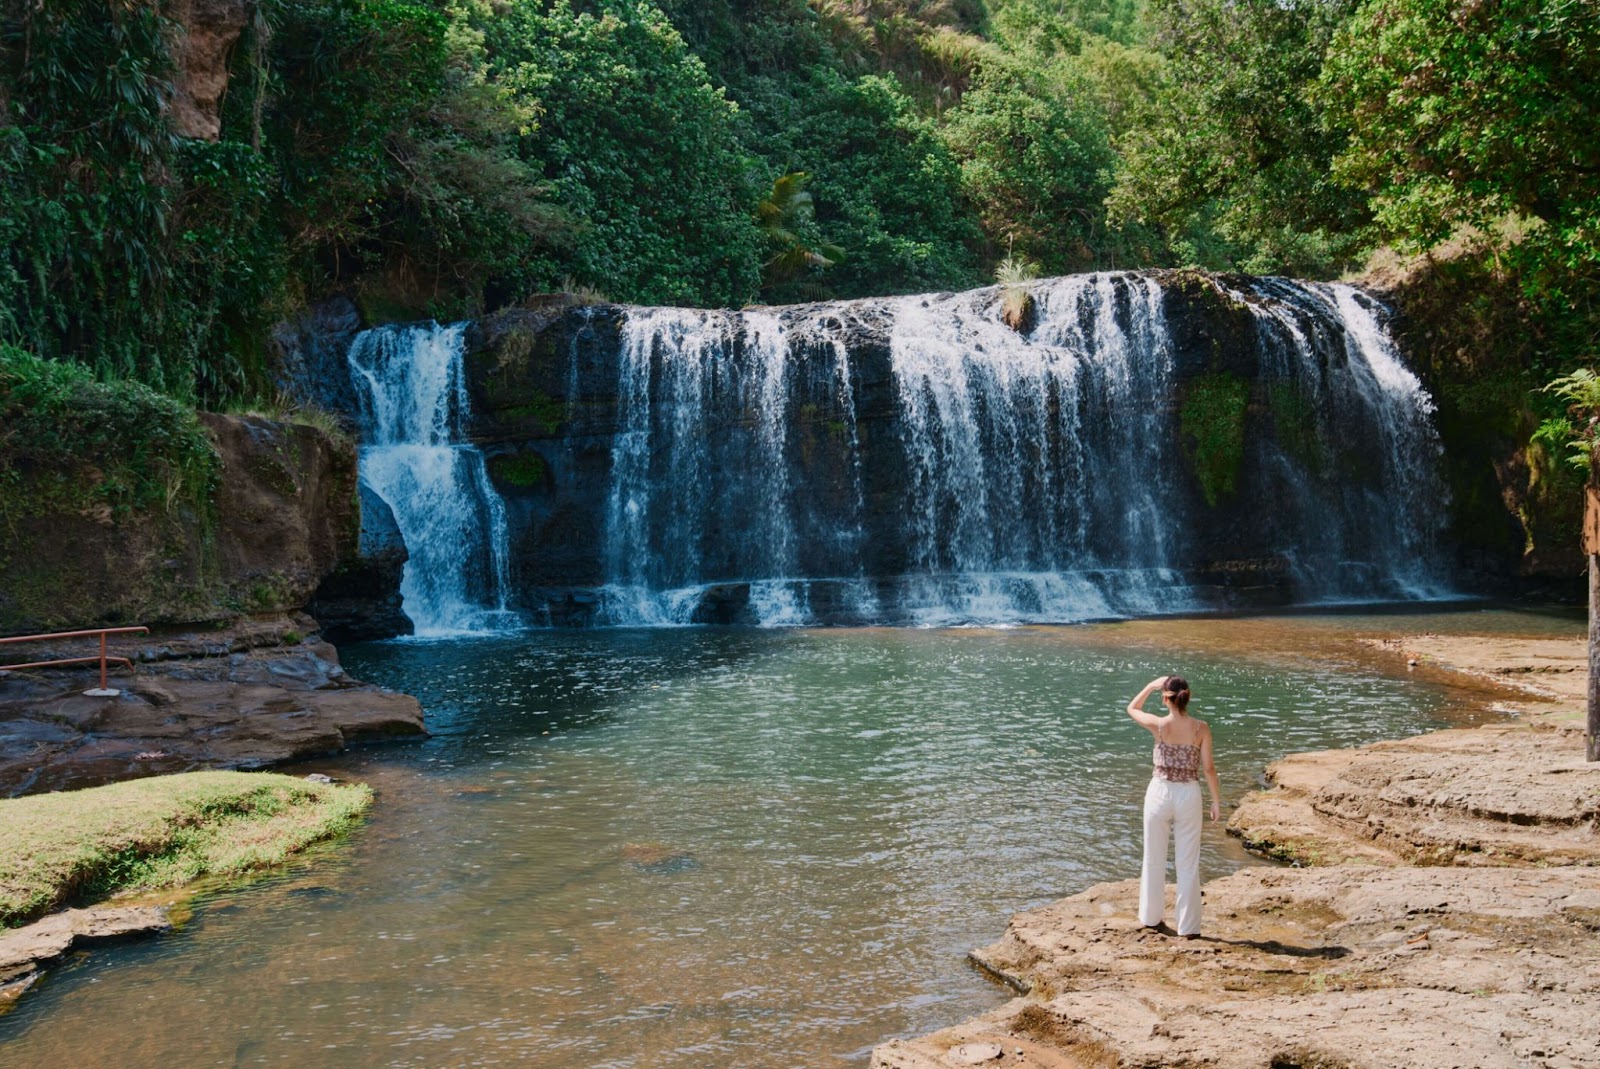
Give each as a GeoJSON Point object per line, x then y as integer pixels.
{"type": "Point", "coordinates": [661, 849]}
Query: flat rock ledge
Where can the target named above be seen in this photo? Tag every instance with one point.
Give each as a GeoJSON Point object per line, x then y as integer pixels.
{"type": "Point", "coordinates": [1451, 919]}
{"type": "Point", "coordinates": [1347, 967]}
{"type": "Point", "coordinates": [255, 696]}
{"type": "Point", "coordinates": [1507, 794]}
{"type": "Point", "coordinates": [26, 951]}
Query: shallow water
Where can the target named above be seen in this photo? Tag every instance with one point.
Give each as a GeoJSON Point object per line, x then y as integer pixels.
{"type": "Point", "coordinates": [744, 848]}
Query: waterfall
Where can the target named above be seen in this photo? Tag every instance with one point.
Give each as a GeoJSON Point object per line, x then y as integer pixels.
{"type": "Point", "coordinates": [413, 409]}
{"type": "Point", "coordinates": [786, 466]}
{"type": "Point", "coordinates": [1039, 475]}
{"type": "Point", "coordinates": [1382, 538]}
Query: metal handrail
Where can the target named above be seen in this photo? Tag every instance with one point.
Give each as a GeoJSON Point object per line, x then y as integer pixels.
{"type": "Point", "coordinates": [103, 692]}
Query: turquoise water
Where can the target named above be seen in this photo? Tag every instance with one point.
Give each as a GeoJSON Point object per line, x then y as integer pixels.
{"type": "Point", "coordinates": [743, 848]}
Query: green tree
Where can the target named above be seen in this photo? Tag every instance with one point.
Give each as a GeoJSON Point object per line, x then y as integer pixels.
{"type": "Point", "coordinates": [1231, 159]}
{"type": "Point", "coordinates": [638, 146]}
{"type": "Point", "coordinates": [357, 149]}
{"type": "Point", "coordinates": [886, 186]}
{"type": "Point", "coordinates": [1035, 157]}
{"type": "Point", "coordinates": [1065, 27]}
{"type": "Point", "coordinates": [786, 218]}
{"type": "Point", "coordinates": [108, 258]}
{"type": "Point", "coordinates": [1455, 114]}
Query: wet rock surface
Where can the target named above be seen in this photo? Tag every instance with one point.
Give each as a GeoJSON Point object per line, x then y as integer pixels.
{"type": "Point", "coordinates": [256, 695]}
{"type": "Point", "coordinates": [360, 599]}
{"type": "Point", "coordinates": [25, 951]}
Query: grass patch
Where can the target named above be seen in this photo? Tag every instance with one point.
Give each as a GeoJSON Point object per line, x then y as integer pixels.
{"type": "Point", "coordinates": [77, 846]}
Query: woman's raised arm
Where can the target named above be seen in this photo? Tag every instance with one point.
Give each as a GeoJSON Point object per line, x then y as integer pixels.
{"type": "Point", "coordinates": [1148, 721]}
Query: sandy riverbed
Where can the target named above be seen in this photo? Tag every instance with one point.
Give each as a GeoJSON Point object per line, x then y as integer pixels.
{"type": "Point", "coordinates": [1445, 911]}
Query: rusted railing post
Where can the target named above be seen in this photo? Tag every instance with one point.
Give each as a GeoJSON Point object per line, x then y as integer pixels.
{"type": "Point", "coordinates": [102, 691]}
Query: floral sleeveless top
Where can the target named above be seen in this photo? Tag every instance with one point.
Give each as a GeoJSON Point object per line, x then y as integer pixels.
{"type": "Point", "coordinates": [1178, 762]}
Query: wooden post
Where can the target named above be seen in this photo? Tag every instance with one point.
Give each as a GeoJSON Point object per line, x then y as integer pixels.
{"type": "Point", "coordinates": [1591, 546]}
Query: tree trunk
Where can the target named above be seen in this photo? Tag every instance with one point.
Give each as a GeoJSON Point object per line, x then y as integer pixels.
{"type": "Point", "coordinates": [1591, 546]}
{"type": "Point", "coordinates": [1592, 739]}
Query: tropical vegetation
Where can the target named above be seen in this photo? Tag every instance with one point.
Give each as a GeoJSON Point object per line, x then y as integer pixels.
{"type": "Point", "coordinates": [444, 157]}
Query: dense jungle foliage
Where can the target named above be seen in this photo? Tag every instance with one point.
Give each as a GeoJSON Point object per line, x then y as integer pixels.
{"type": "Point", "coordinates": [446, 156]}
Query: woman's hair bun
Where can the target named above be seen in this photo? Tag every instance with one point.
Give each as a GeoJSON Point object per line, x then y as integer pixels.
{"type": "Point", "coordinates": [1178, 688]}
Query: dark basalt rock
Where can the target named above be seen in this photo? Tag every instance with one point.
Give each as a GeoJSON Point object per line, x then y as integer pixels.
{"type": "Point", "coordinates": [360, 599]}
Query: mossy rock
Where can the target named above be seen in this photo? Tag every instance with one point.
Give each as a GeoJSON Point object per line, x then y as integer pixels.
{"type": "Point", "coordinates": [1211, 422]}
{"type": "Point", "coordinates": [522, 470]}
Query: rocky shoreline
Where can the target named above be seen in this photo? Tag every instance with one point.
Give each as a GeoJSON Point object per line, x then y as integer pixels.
{"type": "Point", "coordinates": [1445, 912]}
{"type": "Point", "coordinates": [261, 692]}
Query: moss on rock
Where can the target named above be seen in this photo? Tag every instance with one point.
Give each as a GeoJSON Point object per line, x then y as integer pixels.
{"type": "Point", "coordinates": [523, 470]}
{"type": "Point", "coordinates": [1211, 422]}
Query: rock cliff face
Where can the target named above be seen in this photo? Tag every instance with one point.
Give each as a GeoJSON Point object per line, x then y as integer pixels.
{"type": "Point", "coordinates": [206, 31]}
{"type": "Point", "coordinates": [283, 515]}
{"type": "Point", "coordinates": [1207, 441]}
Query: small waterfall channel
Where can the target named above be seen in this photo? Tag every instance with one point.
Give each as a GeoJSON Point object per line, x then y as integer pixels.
{"type": "Point", "coordinates": [414, 455]}
{"type": "Point", "coordinates": [769, 468]}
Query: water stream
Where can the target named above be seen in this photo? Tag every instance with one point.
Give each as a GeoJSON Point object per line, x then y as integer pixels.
{"type": "Point", "coordinates": [415, 456]}
{"type": "Point", "coordinates": [762, 473]}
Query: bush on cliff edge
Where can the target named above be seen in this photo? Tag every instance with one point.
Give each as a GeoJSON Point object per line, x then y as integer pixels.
{"type": "Point", "coordinates": [69, 443]}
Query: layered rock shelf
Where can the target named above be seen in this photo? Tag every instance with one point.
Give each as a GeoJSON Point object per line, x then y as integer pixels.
{"type": "Point", "coordinates": [1444, 912]}
{"type": "Point", "coordinates": [27, 951]}
{"type": "Point", "coordinates": [1347, 967]}
{"type": "Point", "coordinates": [1498, 795]}
{"type": "Point", "coordinates": [258, 694]}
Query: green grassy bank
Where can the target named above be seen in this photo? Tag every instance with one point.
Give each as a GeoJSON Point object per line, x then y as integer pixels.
{"type": "Point", "coordinates": [77, 846]}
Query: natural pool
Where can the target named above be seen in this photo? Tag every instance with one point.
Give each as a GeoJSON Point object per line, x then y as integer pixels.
{"type": "Point", "coordinates": [706, 847]}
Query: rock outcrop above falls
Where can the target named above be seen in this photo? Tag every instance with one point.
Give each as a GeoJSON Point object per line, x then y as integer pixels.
{"type": "Point", "coordinates": [282, 515]}
{"type": "Point", "coordinates": [204, 35]}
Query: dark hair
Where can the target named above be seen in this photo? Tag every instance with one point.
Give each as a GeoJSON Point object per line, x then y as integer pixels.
{"type": "Point", "coordinates": [1177, 688]}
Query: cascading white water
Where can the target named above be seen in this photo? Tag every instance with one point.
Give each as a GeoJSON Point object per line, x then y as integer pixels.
{"type": "Point", "coordinates": [1021, 512]}
{"type": "Point", "coordinates": [414, 405]}
{"type": "Point", "coordinates": [988, 476]}
{"type": "Point", "coordinates": [1383, 531]}
{"type": "Point", "coordinates": [681, 371]}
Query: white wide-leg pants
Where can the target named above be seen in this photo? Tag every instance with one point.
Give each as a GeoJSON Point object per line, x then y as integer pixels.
{"type": "Point", "coordinates": [1171, 809]}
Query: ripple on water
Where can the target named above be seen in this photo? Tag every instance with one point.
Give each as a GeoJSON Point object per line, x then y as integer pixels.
{"type": "Point", "coordinates": [658, 849]}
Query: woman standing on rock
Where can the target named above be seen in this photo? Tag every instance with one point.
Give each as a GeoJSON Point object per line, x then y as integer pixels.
{"type": "Point", "coordinates": [1172, 802]}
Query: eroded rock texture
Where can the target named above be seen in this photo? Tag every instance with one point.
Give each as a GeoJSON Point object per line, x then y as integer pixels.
{"type": "Point", "coordinates": [259, 694]}
{"type": "Point", "coordinates": [205, 33]}
{"type": "Point", "coordinates": [1344, 967]}
{"type": "Point", "coordinates": [284, 513]}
